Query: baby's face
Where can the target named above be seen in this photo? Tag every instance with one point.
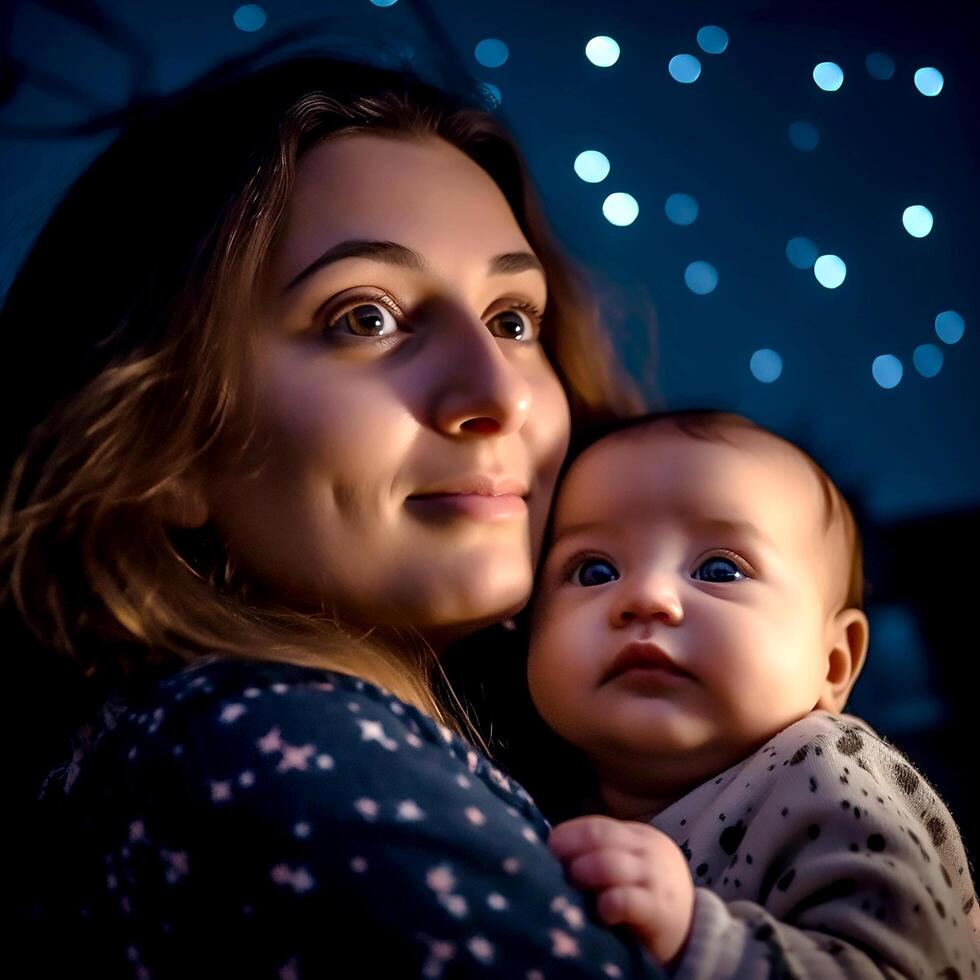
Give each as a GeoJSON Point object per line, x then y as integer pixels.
{"type": "Point", "coordinates": [713, 559]}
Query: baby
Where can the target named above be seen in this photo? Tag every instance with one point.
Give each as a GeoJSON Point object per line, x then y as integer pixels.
{"type": "Point", "coordinates": [696, 630]}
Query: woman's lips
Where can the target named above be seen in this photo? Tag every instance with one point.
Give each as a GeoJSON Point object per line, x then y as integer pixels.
{"type": "Point", "coordinates": [487, 507]}
{"type": "Point", "coordinates": [483, 496]}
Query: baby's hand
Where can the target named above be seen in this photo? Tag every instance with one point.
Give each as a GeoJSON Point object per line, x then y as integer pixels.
{"type": "Point", "coordinates": [639, 874]}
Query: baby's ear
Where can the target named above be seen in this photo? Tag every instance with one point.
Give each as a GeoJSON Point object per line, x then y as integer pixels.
{"type": "Point", "coordinates": [183, 504]}
{"type": "Point", "coordinates": [848, 639]}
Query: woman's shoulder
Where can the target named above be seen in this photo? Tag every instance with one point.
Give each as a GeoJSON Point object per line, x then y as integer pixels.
{"type": "Point", "coordinates": [224, 723]}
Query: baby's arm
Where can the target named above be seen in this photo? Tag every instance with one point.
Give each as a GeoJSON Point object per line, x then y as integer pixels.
{"type": "Point", "coordinates": [840, 863]}
{"type": "Point", "coordinates": [640, 877]}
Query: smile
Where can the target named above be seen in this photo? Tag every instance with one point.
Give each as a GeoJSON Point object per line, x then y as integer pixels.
{"type": "Point", "coordinates": [443, 506]}
{"type": "Point", "coordinates": [480, 496]}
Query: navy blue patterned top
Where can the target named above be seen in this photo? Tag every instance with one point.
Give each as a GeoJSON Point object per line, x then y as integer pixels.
{"type": "Point", "coordinates": [258, 819]}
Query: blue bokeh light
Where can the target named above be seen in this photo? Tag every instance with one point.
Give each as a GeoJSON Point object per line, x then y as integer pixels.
{"type": "Point", "coordinates": [802, 252]}
{"type": "Point", "coordinates": [830, 271]}
{"type": "Point", "coordinates": [766, 365]}
{"type": "Point", "coordinates": [491, 52]}
{"type": "Point", "coordinates": [828, 76]}
{"type": "Point", "coordinates": [491, 94]}
{"type": "Point", "coordinates": [592, 166]}
{"type": "Point", "coordinates": [917, 220]}
{"type": "Point", "coordinates": [384, 3]}
{"type": "Point", "coordinates": [804, 136]}
{"type": "Point", "coordinates": [950, 327]}
{"type": "Point", "coordinates": [886, 369]}
{"type": "Point", "coordinates": [681, 209]}
{"type": "Point", "coordinates": [712, 39]}
{"type": "Point", "coordinates": [928, 360]}
{"type": "Point", "coordinates": [929, 81]}
{"type": "Point", "coordinates": [684, 68]}
{"type": "Point", "coordinates": [880, 65]}
{"type": "Point", "coordinates": [602, 51]}
{"type": "Point", "coordinates": [701, 278]}
{"type": "Point", "coordinates": [249, 17]}
{"type": "Point", "coordinates": [620, 209]}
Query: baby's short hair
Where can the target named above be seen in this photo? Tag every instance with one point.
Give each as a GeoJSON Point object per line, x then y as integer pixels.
{"type": "Point", "coordinates": [713, 424]}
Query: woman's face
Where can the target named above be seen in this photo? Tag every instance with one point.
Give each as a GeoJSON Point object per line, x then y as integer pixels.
{"type": "Point", "coordinates": [397, 361]}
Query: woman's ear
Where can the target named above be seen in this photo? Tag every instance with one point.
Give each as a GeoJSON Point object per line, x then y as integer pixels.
{"type": "Point", "coordinates": [848, 638]}
{"type": "Point", "coordinates": [183, 504]}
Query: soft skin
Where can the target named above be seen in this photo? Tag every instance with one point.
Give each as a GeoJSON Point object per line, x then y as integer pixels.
{"type": "Point", "coordinates": [638, 874]}
{"type": "Point", "coordinates": [758, 652]}
{"type": "Point", "coordinates": [358, 413]}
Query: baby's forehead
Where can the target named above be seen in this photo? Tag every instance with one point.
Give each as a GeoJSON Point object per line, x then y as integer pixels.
{"type": "Point", "coordinates": [647, 469]}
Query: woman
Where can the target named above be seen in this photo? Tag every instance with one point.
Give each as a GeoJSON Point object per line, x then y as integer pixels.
{"type": "Point", "coordinates": [318, 368]}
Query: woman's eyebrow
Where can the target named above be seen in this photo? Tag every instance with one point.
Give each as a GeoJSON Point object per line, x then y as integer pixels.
{"type": "Point", "coordinates": [394, 254]}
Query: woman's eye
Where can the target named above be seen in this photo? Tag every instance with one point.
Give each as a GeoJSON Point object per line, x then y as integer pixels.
{"type": "Point", "coordinates": [718, 569]}
{"type": "Point", "coordinates": [371, 319]}
{"type": "Point", "coordinates": [594, 571]}
{"type": "Point", "coordinates": [518, 323]}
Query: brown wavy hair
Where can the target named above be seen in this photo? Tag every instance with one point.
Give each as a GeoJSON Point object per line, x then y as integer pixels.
{"type": "Point", "coordinates": [124, 329]}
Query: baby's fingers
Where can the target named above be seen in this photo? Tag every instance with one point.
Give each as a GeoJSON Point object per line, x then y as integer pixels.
{"type": "Point", "coordinates": [631, 905]}
{"type": "Point", "coordinates": [606, 868]}
{"type": "Point", "coordinates": [584, 834]}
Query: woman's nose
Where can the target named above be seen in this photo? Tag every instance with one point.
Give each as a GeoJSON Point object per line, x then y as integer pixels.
{"type": "Point", "coordinates": [483, 391]}
{"type": "Point", "coordinates": [653, 597]}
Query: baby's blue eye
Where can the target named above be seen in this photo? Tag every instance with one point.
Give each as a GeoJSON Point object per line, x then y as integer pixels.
{"type": "Point", "coordinates": [595, 571]}
{"type": "Point", "coordinates": [718, 569]}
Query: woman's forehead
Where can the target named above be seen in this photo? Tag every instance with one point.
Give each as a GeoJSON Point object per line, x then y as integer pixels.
{"type": "Point", "coordinates": [423, 194]}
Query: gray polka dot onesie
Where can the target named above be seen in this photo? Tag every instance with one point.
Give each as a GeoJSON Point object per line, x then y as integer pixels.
{"type": "Point", "coordinates": [824, 854]}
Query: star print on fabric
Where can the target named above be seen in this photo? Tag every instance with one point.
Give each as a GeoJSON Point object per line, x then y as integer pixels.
{"type": "Point", "coordinates": [574, 917]}
{"type": "Point", "coordinates": [499, 778]}
{"type": "Point", "coordinates": [220, 791]}
{"type": "Point", "coordinates": [271, 741]}
{"type": "Point", "coordinates": [137, 831]}
{"type": "Point", "coordinates": [324, 761]}
{"type": "Point", "coordinates": [441, 879]}
{"type": "Point", "coordinates": [246, 778]}
{"type": "Point", "coordinates": [511, 865]}
{"type": "Point", "coordinates": [413, 740]}
{"type": "Point", "coordinates": [358, 865]}
{"type": "Point", "coordinates": [299, 880]}
{"type": "Point", "coordinates": [230, 713]}
{"type": "Point", "coordinates": [563, 945]}
{"type": "Point", "coordinates": [366, 808]}
{"type": "Point", "coordinates": [289, 971]}
{"type": "Point", "coordinates": [529, 835]}
{"type": "Point", "coordinates": [611, 970]}
{"type": "Point", "coordinates": [481, 948]}
{"type": "Point", "coordinates": [455, 905]}
{"type": "Point", "coordinates": [295, 757]}
{"type": "Point", "coordinates": [372, 731]}
{"type": "Point", "coordinates": [496, 901]}
{"type": "Point", "coordinates": [179, 864]}
{"type": "Point", "coordinates": [475, 816]}
{"type": "Point", "coordinates": [462, 781]}
{"type": "Point", "coordinates": [410, 810]}
{"type": "Point", "coordinates": [440, 953]}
